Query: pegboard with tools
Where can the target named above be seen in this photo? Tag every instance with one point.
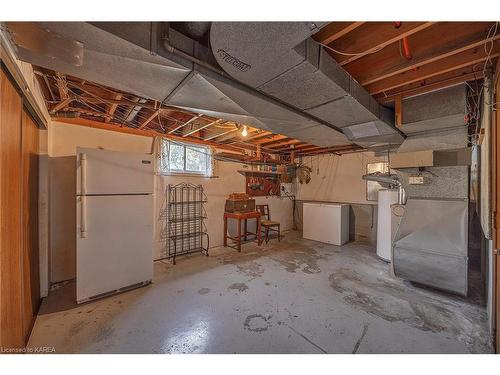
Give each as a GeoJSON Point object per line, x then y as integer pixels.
{"type": "Point", "coordinates": [260, 186]}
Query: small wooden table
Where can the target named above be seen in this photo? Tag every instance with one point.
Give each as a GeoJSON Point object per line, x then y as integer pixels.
{"type": "Point", "coordinates": [239, 216]}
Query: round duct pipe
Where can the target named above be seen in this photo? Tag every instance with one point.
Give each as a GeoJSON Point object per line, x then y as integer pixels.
{"type": "Point", "coordinates": [194, 30]}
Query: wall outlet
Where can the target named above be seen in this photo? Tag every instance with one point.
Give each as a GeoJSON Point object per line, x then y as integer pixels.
{"type": "Point", "coordinates": [416, 180]}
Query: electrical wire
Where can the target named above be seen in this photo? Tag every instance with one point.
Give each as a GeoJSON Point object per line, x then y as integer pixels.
{"type": "Point", "coordinates": [352, 53]}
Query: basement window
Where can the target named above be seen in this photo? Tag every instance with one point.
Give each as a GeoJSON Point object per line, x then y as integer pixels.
{"type": "Point", "coordinates": [184, 158]}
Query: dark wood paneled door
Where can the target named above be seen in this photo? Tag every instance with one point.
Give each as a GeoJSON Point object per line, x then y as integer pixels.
{"type": "Point", "coordinates": [29, 221]}
{"type": "Point", "coordinates": [11, 304]}
{"type": "Point", "coordinates": [19, 255]}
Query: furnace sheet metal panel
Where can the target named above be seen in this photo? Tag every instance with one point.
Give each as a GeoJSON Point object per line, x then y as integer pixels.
{"type": "Point", "coordinates": [430, 246]}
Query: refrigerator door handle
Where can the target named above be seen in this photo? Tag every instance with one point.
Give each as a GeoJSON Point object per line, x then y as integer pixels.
{"type": "Point", "coordinates": [83, 189]}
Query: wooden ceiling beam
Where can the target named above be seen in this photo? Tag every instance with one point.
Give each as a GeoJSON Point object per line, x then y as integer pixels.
{"type": "Point", "coordinates": [469, 57]}
{"type": "Point", "coordinates": [202, 127]}
{"type": "Point", "coordinates": [112, 108]}
{"type": "Point", "coordinates": [438, 41]}
{"type": "Point", "coordinates": [296, 146]}
{"type": "Point", "coordinates": [436, 83]}
{"type": "Point", "coordinates": [49, 87]}
{"type": "Point", "coordinates": [334, 31]}
{"type": "Point", "coordinates": [416, 63]}
{"type": "Point", "coordinates": [149, 119]}
{"type": "Point", "coordinates": [62, 104]}
{"type": "Point", "coordinates": [217, 135]}
{"type": "Point", "coordinates": [194, 118]}
{"type": "Point", "coordinates": [279, 138]}
{"type": "Point", "coordinates": [286, 143]}
{"type": "Point", "coordinates": [303, 147]}
{"type": "Point", "coordinates": [88, 112]}
{"type": "Point", "coordinates": [272, 138]}
{"type": "Point", "coordinates": [372, 37]}
{"type": "Point", "coordinates": [262, 133]}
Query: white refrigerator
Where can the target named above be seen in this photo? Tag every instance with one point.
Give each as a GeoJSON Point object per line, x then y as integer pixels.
{"type": "Point", "coordinates": [114, 234]}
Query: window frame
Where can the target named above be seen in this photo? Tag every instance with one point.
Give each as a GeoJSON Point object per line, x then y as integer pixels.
{"type": "Point", "coordinates": [165, 169]}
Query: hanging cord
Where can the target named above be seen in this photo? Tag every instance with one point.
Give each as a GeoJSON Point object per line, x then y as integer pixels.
{"type": "Point", "coordinates": [351, 53]}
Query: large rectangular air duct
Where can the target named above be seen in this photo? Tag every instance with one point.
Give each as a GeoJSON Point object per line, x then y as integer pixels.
{"type": "Point", "coordinates": [310, 98]}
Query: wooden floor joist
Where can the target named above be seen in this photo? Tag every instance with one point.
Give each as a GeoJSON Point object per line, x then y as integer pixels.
{"type": "Point", "coordinates": [335, 30]}
{"type": "Point", "coordinates": [470, 57]}
{"type": "Point", "coordinates": [371, 37]}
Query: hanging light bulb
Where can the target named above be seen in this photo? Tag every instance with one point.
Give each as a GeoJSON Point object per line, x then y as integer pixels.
{"type": "Point", "coordinates": [244, 132]}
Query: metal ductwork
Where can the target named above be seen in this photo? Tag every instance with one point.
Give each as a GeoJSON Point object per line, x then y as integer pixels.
{"type": "Point", "coordinates": [282, 60]}
{"type": "Point", "coordinates": [303, 94]}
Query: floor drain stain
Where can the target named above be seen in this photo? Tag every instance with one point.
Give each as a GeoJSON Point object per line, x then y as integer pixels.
{"type": "Point", "coordinates": [257, 323]}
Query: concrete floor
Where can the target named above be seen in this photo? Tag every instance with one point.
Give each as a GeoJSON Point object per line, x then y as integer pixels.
{"type": "Point", "coordinates": [297, 296]}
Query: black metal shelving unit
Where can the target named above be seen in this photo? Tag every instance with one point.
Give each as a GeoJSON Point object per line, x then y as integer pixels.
{"type": "Point", "coordinates": [185, 220]}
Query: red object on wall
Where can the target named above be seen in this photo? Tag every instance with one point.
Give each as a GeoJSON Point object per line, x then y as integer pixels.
{"type": "Point", "coordinates": [262, 186]}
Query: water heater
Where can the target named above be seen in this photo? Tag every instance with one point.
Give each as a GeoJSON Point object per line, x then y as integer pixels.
{"type": "Point", "coordinates": [386, 198]}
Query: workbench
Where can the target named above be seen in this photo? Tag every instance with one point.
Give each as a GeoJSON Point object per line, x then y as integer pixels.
{"type": "Point", "coordinates": [239, 216]}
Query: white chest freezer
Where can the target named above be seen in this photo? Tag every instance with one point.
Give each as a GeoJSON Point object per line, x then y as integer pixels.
{"type": "Point", "coordinates": [326, 222]}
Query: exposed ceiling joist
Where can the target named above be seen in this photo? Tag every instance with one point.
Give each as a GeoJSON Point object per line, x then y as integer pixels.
{"type": "Point", "coordinates": [335, 30]}
{"type": "Point", "coordinates": [473, 56]}
{"type": "Point", "coordinates": [202, 127]}
{"type": "Point", "coordinates": [372, 37]}
{"type": "Point", "coordinates": [112, 107]}
{"type": "Point", "coordinates": [280, 144]}
{"type": "Point", "coordinates": [217, 135]}
{"type": "Point", "coordinates": [62, 104]}
{"type": "Point", "coordinates": [424, 87]}
{"type": "Point", "coordinates": [149, 119]}
{"type": "Point", "coordinates": [270, 139]}
{"type": "Point", "coordinates": [432, 56]}
{"type": "Point", "coordinates": [260, 134]}
{"type": "Point", "coordinates": [306, 146]}
{"type": "Point", "coordinates": [89, 112]}
{"type": "Point", "coordinates": [441, 39]}
{"type": "Point", "coordinates": [194, 118]}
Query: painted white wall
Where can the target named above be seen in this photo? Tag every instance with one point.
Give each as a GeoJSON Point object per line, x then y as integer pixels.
{"type": "Point", "coordinates": [227, 180]}
{"type": "Point", "coordinates": [337, 178]}
{"type": "Point", "coordinates": [63, 140]}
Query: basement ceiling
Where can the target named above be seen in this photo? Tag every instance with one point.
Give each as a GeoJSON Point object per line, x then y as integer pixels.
{"type": "Point", "coordinates": [371, 69]}
{"type": "Point", "coordinates": [438, 54]}
{"type": "Point", "coordinates": [72, 100]}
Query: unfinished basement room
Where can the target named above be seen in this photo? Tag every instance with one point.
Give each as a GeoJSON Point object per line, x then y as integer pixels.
{"type": "Point", "coordinates": [249, 187]}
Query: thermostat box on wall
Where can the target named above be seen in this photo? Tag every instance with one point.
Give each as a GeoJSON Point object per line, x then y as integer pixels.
{"type": "Point", "coordinates": [432, 158]}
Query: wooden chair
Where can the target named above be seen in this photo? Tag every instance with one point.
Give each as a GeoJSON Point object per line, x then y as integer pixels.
{"type": "Point", "coordinates": [266, 221]}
